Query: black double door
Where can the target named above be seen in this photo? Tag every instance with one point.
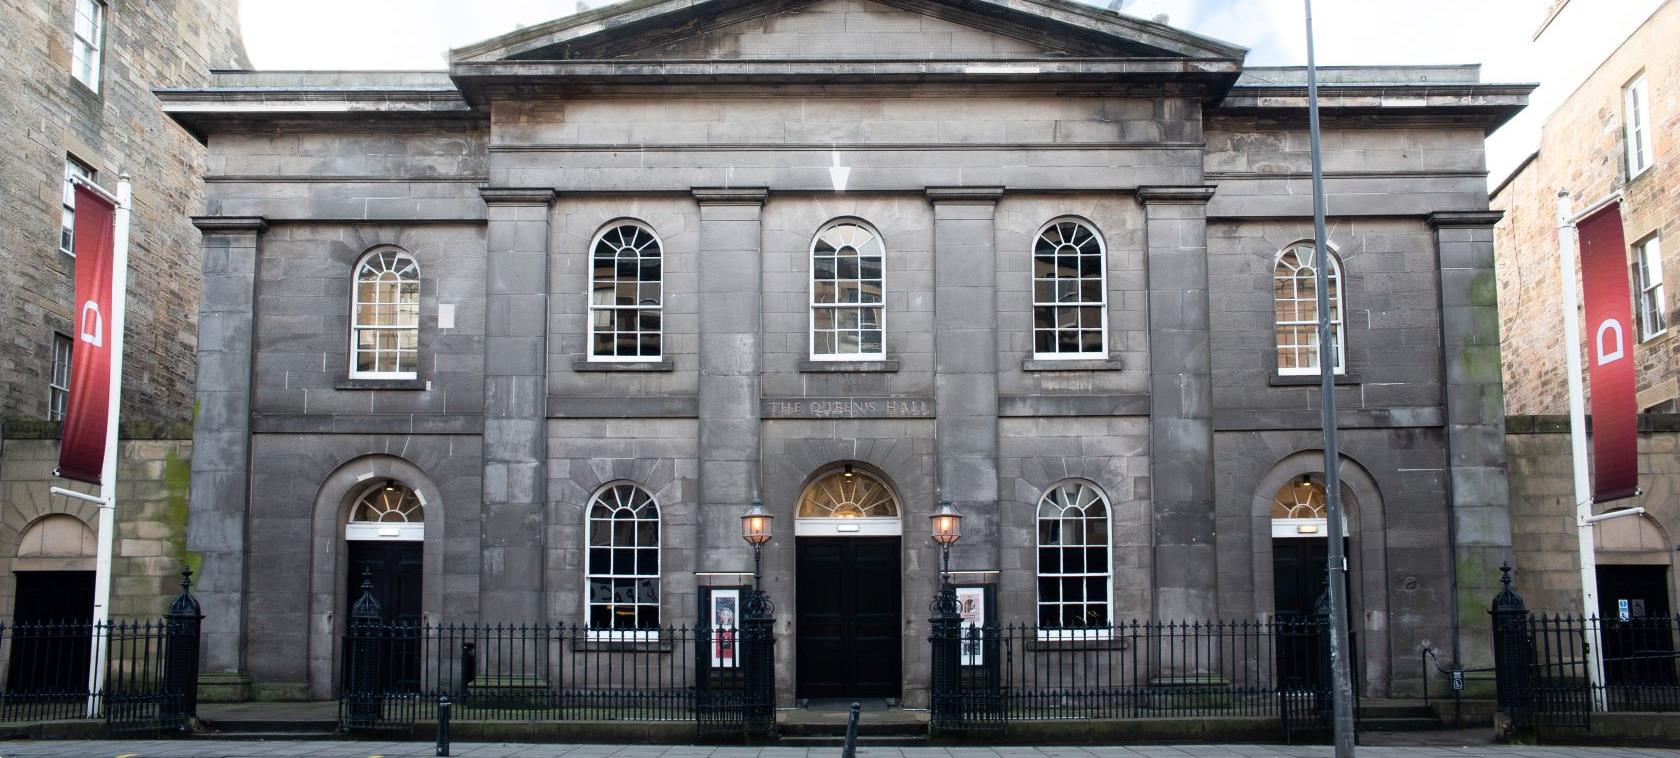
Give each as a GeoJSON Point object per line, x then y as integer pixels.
{"type": "Point", "coordinates": [394, 571]}
{"type": "Point", "coordinates": [848, 619]}
{"type": "Point", "coordinates": [52, 634]}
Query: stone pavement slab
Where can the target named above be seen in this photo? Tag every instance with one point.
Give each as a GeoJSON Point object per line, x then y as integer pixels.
{"type": "Point", "coordinates": [370, 749]}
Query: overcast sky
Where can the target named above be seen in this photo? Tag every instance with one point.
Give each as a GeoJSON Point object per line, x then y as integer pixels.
{"type": "Point", "coordinates": [416, 34]}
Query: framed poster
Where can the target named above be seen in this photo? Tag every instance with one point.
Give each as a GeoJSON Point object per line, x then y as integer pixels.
{"type": "Point", "coordinates": [971, 607]}
{"type": "Point", "coordinates": [723, 613]}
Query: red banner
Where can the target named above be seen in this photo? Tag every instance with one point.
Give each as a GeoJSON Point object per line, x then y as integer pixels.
{"type": "Point", "coordinates": [82, 454]}
{"type": "Point", "coordinates": [1610, 340]}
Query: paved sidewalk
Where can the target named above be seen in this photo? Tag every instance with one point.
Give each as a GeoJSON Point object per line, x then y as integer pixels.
{"type": "Point", "coordinates": [212, 749]}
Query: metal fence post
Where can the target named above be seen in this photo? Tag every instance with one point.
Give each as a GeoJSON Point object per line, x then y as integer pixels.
{"type": "Point", "coordinates": [362, 690]}
{"type": "Point", "coordinates": [180, 683]}
{"type": "Point", "coordinates": [758, 643]}
{"type": "Point", "coordinates": [1510, 645]}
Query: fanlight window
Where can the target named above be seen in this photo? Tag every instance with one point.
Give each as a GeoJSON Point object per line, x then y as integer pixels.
{"type": "Point", "coordinates": [626, 312]}
{"type": "Point", "coordinates": [1070, 315]}
{"type": "Point", "coordinates": [389, 504]}
{"type": "Point", "coordinates": [385, 323]}
{"type": "Point", "coordinates": [848, 493]}
{"type": "Point", "coordinates": [1301, 498]}
{"type": "Point", "coordinates": [848, 285]}
{"type": "Point", "coordinates": [623, 570]}
{"type": "Point", "coordinates": [1073, 557]}
{"type": "Point", "coordinates": [1295, 295]}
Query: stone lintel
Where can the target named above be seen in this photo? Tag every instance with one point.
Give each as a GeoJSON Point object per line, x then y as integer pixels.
{"type": "Point", "coordinates": [517, 195]}
{"type": "Point", "coordinates": [1193, 194]}
{"type": "Point", "coordinates": [230, 224]}
{"type": "Point", "coordinates": [1441, 219]}
{"type": "Point", "coordinates": [731, 195]}
{"type": "Point", "coordinates": [965, 195]}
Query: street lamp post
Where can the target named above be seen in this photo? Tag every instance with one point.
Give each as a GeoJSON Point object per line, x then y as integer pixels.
{"type": "Point", "coordinates": [758, 625]}
{"type": "Point", "coordinates": [947, 625]}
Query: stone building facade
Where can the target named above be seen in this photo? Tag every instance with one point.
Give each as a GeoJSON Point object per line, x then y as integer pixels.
{"type": "Point", "coordinates": [1584, 150]}
{"type": "Point", "coordinates": [848, 257]}
{"type": "Point", "coordinates": [76, 90]}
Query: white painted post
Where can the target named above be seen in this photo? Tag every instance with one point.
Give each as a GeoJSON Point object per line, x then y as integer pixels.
{"type": "Point", "coordinates": [1578, 443]}
{"type": "Point", "coordinates": [108, 471]}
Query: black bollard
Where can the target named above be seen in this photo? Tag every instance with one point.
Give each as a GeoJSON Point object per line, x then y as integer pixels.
{"type": "Point", "coordinates": [850, 749]}
{"type": "Point", "coordinates": [443, 725]}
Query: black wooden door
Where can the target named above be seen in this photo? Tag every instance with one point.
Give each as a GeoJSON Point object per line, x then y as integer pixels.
{"type": "Point", "coordinates": [52, 637]}
{"type": "Point", "coordinates": [394, 569]}
{"type": "Point", "coordinates": [1298, 575]}
{"type": "Point", "coordinates": [848, 619]}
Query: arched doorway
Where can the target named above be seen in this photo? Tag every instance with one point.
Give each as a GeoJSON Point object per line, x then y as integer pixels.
{"type": "Point", "coordinates": [55, 573]}
{"type": "Point", "coordinates": [385, 548]}
{"type": "Point", "coordinates": [847, 585]}
{"type": "Point", "coordinates": [1300, 562]}
{"type": "Point", "coordinates": [1632, 554]}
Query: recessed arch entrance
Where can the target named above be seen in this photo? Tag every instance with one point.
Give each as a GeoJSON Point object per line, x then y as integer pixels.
{"type": "Point", "coordinates": [382, 516]}
{"type": "Point", "coordinates": [847, 532]}
{"type": "Point", "coordinates": [54, 570]}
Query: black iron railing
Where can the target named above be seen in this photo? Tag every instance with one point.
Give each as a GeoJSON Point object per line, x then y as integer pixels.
{"type": "Point", "coordinates": [396, 673]}
{"type": "Point", "coordinates": [149, 670]}
{"type": "Point", "coordinates": [986, 676]}
{"type": "Point", "coordinates": [1555, 686]}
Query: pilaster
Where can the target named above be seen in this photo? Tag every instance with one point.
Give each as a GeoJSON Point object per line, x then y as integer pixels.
{"type": "Point", "coordinates": [515, 404]}
{"type": "Point", "coordinates": [1180, 402]}
{"type": "Point", "coordinates": [1473, 396]}
{"type": "Point", "coordinates": [219, 494]}
{"type": "Point", "coordinates": [730, 361]}
{"type": "Point", "coordinates": [965, 371]}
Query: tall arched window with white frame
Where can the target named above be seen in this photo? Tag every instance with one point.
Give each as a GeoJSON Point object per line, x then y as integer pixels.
{"type": "Point", "coordinates": [1070, 291]}
{"type": "Point", "coordinates": [623, 563]}
{"type": "Point", "coordinates": [848, 293]}
{"type": "Point", "coordinates": [385, 318]}
{"type": "Point", "coordinates": [1295, 297]}
{"type": "Point", "coordinates": [626, 302]}
{"type": "Point", "coordinates": [1074, 558]}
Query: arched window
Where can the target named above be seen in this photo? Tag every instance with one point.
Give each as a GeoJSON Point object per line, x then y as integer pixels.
{"type": "Point", "coordinates": [1070, 292]}
{"type": "Point", "coordinates": [385, 322]}
{"type": "Point", "coordinates": [387, 510]}
{"type": "Point", "coordinates": [623, 570]}
{"type": "Point", "coordinates": [1073, 557]}
{"type": "Point", "coordinates": [625, 306]}
{"type": "Point", "coordinates": [848, 288]}
{"type": "Point", "coordinates": [1295, 295]}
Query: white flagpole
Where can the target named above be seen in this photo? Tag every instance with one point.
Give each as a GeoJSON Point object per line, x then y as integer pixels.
{"type": "Point", "coordinates": [1578, 441]}
{"type": "Point", "coordinates": [108, 471]}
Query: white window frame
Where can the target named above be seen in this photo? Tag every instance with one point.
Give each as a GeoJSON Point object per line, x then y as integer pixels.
{"type": "Point", "coordinates": [1649, 304]}
{"type": "Point", "coordinates": [639, 307]}
{"type": "Point", "coordinates": [846, 526]}
{"type": "Point", "coordinates": [1636, 126]}
{"type": "Point", "coordinates": [658, 575]}
{"type": "Point", "coordinates": [813, 305]}
{"type": "Point", "coordinates": [58, 385]}
{"type": "Point", "coordinates": [1070, 634]}
{"type": "Point", "coordinates": [356, 327]}
{"type": "Point", "coordinates": [87, 35]}
{"type": "Point", "coordinates": [1338, 306]}
{"type": "Point", "coordinates": [356, 530]}
{"type": "Point", "coordinates": [73, 170]}
{"type": "Point", "coordinates": [1101, 304]}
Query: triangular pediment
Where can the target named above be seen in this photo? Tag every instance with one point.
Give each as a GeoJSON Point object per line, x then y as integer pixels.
{"type": "Point", "coordinates": [845, 30]}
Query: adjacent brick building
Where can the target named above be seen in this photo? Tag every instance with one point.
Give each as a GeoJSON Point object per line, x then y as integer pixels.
{"type": "Point", "coordinates": [76, 90]}
{"type": "Point", "coordinates": [1619, 132]}
{"type": "Point", "coordinates": [657, 260]}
